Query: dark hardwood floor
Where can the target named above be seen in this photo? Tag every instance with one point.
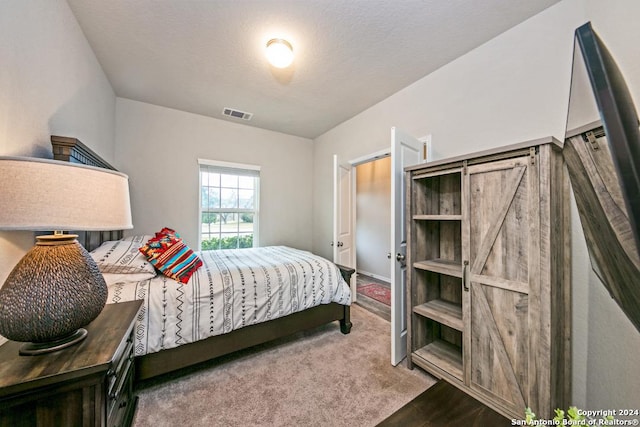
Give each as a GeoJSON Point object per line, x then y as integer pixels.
{"type": "Point", "coordinates": [443, 405]}
{"type": "Point", "coordinates": [370, 304]}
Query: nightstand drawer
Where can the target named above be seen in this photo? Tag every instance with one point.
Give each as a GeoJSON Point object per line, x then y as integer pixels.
{"type": "Point", "coordinates": [120, 364]}
{"type": "Point", "coordinates": [120, 386]}
{"type": "Point", "coordinates": [122, 403]}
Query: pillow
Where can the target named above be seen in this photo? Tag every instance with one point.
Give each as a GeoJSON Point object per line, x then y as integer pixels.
{"type": "Point", "coordinates": [139, 239]}
{"type": "Point", "coordinates": [171, 256]}
{"type": "Point", "coordinates": [167, 232]}
{"type": "Point", "coordinates": [122, 257]}
{"type": "Point", "coordinates": [111, 278]}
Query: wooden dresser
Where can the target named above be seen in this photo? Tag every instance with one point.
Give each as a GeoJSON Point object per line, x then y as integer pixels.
{"type": "Point", "coordinates": [89, 384]}
{"type": "Point", "coordinates": [488, 275]}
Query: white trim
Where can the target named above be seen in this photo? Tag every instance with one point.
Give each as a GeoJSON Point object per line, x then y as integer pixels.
{"type": "Point", "coordinates": [429, 155]}
{"type": "Point", "coordinates": [375, 276]}
{"type": "Point", "coordinates": [336, 212]}
{"type": "Point", "coordinates": [354, 193]}
{"type": "Point", "coordinates": [256, 216]}
{"type": "Point", "coordinates": [199, 221]}
{"type": "Point", "coordinates": [231, 165]}
{"type": "Point", "coordinates": [371, 157]}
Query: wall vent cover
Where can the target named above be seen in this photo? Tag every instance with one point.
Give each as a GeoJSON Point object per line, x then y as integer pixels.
{"type": "Point", "coordinates": [232, 112]}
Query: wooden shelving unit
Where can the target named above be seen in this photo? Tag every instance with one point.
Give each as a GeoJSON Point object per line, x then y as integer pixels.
{"type": "Point", "coordinates": [484, 232]}
{"type": "Point", "coordinates": [436, 295]}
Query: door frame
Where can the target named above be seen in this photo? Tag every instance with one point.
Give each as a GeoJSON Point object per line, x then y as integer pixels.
{"type": "Point", "coordinates": [357, 162]}
{"type": "Point", "coordinates": [378, 155]}
{"type": "Point", "coordinates": [353, 163]}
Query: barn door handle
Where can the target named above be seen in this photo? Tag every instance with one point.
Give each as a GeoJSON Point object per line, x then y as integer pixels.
{"type": "Point", "coordinates": [464, 276]}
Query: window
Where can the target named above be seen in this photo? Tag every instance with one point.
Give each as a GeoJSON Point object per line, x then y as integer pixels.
{"type": "Point", "coordinates": [229, 200]}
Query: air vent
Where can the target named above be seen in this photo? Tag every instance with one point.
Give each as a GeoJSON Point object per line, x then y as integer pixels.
{"type": "Point", "coordinates": [237, 114]}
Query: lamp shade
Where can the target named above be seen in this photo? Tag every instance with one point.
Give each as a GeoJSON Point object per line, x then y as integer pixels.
{"type": "Point", "coordinates": [45, 195]}
{"type": "Point", "coordinates": [56, 288]}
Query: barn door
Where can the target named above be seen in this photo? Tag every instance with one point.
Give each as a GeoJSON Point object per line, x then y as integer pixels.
{"type": "Point", "coordinates": [502, 218]}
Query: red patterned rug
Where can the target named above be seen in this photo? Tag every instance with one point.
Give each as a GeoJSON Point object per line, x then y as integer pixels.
{"type": "Point", "coordinates": [377, 292]}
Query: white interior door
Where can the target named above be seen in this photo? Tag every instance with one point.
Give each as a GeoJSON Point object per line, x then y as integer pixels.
{"type": "Point", "coordinates": [343, 218]}
{"type": "Point", "coordinates": [405, 151]}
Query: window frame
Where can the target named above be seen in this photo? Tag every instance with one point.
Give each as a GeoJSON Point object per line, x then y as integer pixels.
{"type": "Point", "coordinates": [238, 169]}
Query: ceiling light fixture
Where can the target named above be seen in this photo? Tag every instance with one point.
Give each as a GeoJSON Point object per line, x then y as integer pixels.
{"type": "Point", "coordinates": [279, 53]}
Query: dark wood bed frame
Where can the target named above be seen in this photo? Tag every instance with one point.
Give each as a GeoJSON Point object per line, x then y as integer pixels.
{"type": "Point", "coordinates": [154, 364]}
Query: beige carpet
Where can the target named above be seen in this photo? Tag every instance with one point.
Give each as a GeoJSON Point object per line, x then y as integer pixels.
{"type": "Point", "coordinates": [319, 378]}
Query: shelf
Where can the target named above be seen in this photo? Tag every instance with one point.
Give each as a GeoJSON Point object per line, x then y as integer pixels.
{"type": "Point", "coordinates": [445, 312]}
{"type": "Point", "coordinates": [443, 355]}
{"type": "Point", "coordinates": [438, 217]}
{"type": "Point", "coordinates": [437, 174]}
{"type": "Point", "coordinates": [442, 266]}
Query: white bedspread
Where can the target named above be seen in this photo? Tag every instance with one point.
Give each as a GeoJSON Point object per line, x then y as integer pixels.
{"type": "Point", "coordinates": [234, 288]}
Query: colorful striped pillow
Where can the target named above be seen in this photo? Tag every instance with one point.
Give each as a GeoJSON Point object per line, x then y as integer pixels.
{"type": "Point", "coordinates": [167, 232]}
{"type": "Point", "coordinates": [168, 253]}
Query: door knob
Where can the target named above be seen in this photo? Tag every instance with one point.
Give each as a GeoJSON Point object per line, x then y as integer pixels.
{"type": "Point", "coordinates": [340, 244]}
{"type": "Point", "coordinates": [400, 257]}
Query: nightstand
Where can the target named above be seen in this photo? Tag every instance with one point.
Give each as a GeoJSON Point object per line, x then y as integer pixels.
{"type": "Point", "coordinates": [89, 384]}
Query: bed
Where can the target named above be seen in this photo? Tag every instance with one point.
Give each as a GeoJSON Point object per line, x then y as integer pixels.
{"type": "Point", "coordinates": [183, 337]}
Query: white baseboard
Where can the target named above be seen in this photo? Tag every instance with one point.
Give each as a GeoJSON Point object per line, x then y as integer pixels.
{"type": "Point", "coordinates": [375, 276]}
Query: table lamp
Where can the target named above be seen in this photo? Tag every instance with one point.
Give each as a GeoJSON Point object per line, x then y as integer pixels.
{"type": "Point", "coordinates": [56, 288]}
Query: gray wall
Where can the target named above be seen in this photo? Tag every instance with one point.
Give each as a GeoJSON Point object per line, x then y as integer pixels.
{"type": "Point", "coordinates": [511, 89]}
{"type": "Point", "coordinates": [159, 149]}
{"type": "Point", "coordinates": [50, 83]}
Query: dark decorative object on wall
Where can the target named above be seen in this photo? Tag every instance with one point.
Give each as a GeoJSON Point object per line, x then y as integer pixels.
{"type": "Point", "coordinates": [602, 152]}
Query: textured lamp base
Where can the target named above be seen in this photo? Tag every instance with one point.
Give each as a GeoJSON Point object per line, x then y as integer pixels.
{"type": "Point", "coordinates": [54, 291]}
{"type": "Point", "coordinates": [35, 348]}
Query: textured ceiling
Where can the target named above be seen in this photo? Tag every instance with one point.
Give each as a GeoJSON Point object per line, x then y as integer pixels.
{"type": "Point", "coordinates": [201, 56]}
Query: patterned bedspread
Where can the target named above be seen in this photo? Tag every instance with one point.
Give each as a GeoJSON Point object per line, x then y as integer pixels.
{"type": "Point", "coordinates": [234, 288]}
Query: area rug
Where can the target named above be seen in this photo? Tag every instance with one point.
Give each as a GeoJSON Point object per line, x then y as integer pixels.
{"type": "Point", "coordinates": [320, 378]}
{"type": "Point", "coordinates": [377, 292]}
